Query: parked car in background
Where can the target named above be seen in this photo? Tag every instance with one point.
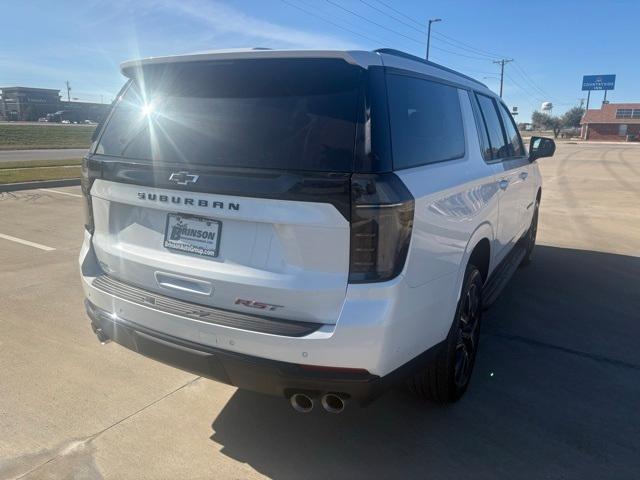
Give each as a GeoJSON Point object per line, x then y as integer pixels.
{"type": "Point", "coordinates": [63, 116]}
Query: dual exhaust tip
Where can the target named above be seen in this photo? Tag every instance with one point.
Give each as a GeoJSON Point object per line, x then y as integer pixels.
{"type": "Point", "coordinates": [331, 402]}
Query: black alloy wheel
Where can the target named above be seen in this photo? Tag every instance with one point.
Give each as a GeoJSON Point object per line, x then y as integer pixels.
{"type": "Point", "coordinates": [467, 336]}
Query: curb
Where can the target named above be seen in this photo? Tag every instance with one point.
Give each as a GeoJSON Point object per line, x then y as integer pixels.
{"type": "Point", "coordinates": [13, 187]}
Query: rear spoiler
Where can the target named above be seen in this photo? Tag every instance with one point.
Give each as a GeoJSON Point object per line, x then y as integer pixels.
{"type": "Point", "coordinates": [361, 58]}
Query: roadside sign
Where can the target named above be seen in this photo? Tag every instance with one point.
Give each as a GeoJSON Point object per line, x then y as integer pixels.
{"type": "Point", "coordinates": [598, 82]}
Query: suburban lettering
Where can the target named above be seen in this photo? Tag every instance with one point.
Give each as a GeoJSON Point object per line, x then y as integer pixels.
{"type": "Point", "coordinates": [200, 202]}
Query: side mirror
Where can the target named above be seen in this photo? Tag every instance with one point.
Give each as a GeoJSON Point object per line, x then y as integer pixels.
{"type": "Point", "coordinates": [540, 147]}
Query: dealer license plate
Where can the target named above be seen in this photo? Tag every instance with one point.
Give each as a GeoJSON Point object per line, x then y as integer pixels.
{"type": "Point", "coordinates": [190, 234]}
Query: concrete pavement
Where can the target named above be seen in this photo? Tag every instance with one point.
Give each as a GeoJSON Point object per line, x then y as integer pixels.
{"type": "Point", "coordinates": [554, 394]}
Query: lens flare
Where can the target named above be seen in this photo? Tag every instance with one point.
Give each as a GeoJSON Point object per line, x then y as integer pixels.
{"type": "Point", "coordinates": [147, 109]}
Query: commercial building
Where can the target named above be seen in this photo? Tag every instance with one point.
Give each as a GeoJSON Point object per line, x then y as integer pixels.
{"type": "Point", "coordinates": [612, 122]}
{"type": "Point", "coordinates": [30, 104]}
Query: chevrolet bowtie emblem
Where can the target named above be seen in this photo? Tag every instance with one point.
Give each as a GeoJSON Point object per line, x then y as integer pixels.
{"type": "Point", "coordinates": [183, 178]}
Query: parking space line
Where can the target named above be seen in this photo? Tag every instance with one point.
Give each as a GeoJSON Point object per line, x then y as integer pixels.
{"type": "Point", "coordinates": [27, 242]}
{"type": "Point", "coordinates": [58, 191]}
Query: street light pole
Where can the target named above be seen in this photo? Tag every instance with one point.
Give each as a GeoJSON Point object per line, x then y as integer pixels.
{"type": "Point", "coordinates": [431, 20]}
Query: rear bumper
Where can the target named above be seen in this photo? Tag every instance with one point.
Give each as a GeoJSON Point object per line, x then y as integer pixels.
{"type": "Point", "coordinates": [381, 330]}
{"type": "Point", "coordinates": [243, 371]}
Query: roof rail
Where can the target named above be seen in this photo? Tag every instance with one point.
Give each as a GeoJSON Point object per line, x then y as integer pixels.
{"type": "Point", "coordinates": [400, 53]}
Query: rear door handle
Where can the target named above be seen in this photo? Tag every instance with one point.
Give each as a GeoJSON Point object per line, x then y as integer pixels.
{"type": "Point", "coordinates": [524, 175]}
{"type": "Point", "coordinates": [503, 184]}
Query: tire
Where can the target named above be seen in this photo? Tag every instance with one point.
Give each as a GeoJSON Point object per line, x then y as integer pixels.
{"type": "Point", "coordinates": [530, 238]}
{"type": "Point", "coordinates": [447, 377]}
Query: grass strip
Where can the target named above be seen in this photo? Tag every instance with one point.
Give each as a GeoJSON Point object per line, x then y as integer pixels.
{"type": "Point", "coordinates": [26, 137]}
{"type": "Point", "coordinates": [40, 163]}
{"type": "Point", "coordinates": [30, 174]}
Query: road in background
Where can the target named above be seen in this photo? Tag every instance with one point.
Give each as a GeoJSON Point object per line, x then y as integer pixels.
{"type": "Point", "coordinates": [45, 154]}
{"type": "Point", "coordinates": [554, 393]}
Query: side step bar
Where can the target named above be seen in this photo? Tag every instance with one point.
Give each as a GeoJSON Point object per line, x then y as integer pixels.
{"type": "Point", "coordinates": [502, 274]}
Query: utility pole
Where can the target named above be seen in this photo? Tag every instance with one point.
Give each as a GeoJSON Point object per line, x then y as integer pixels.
{"type": "Point", "coordinates": [68, 91]}
{"type": "Point", "coordinates": [502, 64]}
{"type": "Point", "coordinates": [431, 20]}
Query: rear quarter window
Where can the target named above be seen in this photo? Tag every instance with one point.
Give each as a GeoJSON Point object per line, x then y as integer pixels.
{"type": "Point", "coordinates": [426, 121]}
{"type": "Point", "coordinates": [513, 136]}
{"type": "Point", "coordinates": [499, 147]}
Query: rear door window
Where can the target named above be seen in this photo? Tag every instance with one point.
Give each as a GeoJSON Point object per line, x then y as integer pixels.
{"type": "Point", "coordinates": [426, 121]}
{"type": "Point", "coordinates": [498, 144]}
{"type": "Point", "coordinates": [294, 114]}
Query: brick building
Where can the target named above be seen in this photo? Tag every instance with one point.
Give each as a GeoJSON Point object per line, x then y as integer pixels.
{"type": "Point", "coordinates": [26, 103]}
{"type": "Point", "coordinates": [612, 122]}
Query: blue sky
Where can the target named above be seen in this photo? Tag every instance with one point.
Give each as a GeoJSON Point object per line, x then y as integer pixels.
{"type": "Point", "coordinates": [554, 43]}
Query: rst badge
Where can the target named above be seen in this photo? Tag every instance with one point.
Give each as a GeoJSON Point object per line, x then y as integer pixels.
{"type": "Point", "coordinates": [258, 305]}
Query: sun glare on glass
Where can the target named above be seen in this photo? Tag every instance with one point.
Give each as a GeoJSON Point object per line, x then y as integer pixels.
{"type": "Point", "coordinates": [147, 109]}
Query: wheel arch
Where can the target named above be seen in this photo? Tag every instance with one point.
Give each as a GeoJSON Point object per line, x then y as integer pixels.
{"type": "Point", "coordinates": [481, 256]}
{"type": "Point", "coordinates": [479, 248]}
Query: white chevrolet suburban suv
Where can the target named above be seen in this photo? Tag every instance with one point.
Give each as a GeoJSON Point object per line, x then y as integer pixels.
{"type": "Point", "coordinates": [317, 225]}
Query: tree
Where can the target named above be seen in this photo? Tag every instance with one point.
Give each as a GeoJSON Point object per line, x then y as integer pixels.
{"type": "Point", "coordinates": [548, 122]}
{"type": "Point", "coordinates": [572, 117]}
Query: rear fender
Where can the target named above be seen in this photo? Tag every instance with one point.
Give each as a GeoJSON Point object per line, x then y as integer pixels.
{"type": "Point", "coordinates": [484, 230]}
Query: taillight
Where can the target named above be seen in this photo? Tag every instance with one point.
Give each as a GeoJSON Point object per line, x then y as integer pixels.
{"type": "Point", "coordinates": [381, 224]}
{"type": "Point", "coordinates": [89, 172]}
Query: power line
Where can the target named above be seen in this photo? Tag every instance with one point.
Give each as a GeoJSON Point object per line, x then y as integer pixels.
{"type": "Point", "coordinates": [421, 42]}
{"type": "Point", "coordinates": [395, 18]}
{"type": "Point", "coordinates": [519, 69]}
{"type": "Point", "coordinates": [527, 93]}
{"type": "Point", "coordinates": [468, 47]}
{"type": "Point", "coordinates": [461, 54]}
{"type": "Point", "coordinates": [461, 45]}
{"type": "Point", "coordinates": [329, 21]}
{"type": "Point", "coordinates": [528, 79]}
{"type": "Point", "coordinates": [488, 57]}
{"type": "Point", "coordinates": [436, 34]}
{"type": "Point", "coordinates": [399, 12]}
{"type": "Point", "coordinates": [413, 39]}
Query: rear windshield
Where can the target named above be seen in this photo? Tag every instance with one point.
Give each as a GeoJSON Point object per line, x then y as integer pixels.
{"type": "Point", "coordinates": [296, 114]}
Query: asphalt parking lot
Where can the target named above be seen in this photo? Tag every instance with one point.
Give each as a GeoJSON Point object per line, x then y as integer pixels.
{"type": "Point", "coordinates": [555, 393]}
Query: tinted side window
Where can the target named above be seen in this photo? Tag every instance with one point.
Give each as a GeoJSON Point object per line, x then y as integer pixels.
{"type": "Point", "coordinates": [517, 150]}
{"type": "Point", "coordinates": [485, 146]}
{"type": "Point", "coordinates": [499, 147]}
{"type": "Point", "coordinates": [426, 121]}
